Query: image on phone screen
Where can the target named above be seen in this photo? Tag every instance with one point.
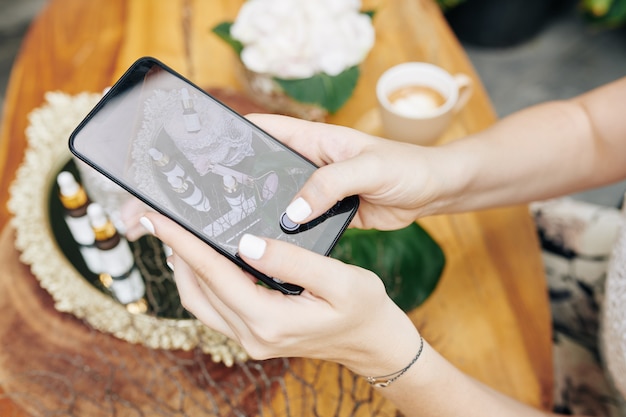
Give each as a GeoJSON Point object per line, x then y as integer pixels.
{"type": "Point", "coordinates": [195, 160]}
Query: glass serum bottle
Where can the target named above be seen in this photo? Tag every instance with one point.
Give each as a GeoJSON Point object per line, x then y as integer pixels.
{"type": "Point", "coordinates": [190, 194]}
{"type": "Point", "coordinates": [165, 164]}
{"type": "Point", "coordinates": [191, 118]}
{"type": "Point", "coordinates": [75, 202]}
{"type": "Point", "coordinates": [233, 193]}
{"type": "Point", "coordinates": [119, 271]}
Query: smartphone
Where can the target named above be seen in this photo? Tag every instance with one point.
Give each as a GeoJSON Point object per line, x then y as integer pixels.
{"type": "Point", "coordinates": [192, 158]}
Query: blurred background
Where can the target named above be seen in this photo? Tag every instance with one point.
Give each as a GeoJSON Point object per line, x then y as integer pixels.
{"type": "Point", "coordinates": [565, 53]}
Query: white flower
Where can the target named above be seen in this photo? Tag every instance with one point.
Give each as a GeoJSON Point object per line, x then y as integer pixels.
{"type": "Point", "coordinates": [299, 38]}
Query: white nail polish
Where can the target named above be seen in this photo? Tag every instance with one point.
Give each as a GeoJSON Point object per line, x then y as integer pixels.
{"type": "Point", "coordinates": [147, 224]}
{"type": "Point", "coordinates": [298, 210]}
{"type": "Point", "coordinates": [252, 247]}
{"type": "Point", "coordinates": [170, 265]}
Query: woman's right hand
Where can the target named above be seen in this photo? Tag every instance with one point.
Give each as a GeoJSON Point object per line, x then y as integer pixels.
{"type": "Point", "coordinates": [395, 181]}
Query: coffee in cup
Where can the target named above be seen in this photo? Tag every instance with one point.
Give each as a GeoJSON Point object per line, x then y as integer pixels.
{"type": "Point", "coordinates": [418, 100]}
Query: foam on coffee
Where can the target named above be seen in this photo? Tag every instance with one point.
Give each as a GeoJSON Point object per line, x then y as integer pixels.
{"type": "Point", "coordinates": [416, 100]}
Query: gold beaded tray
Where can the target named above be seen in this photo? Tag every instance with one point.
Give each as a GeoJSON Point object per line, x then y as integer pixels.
{"type": "Point", "coordinates": [49, 249]}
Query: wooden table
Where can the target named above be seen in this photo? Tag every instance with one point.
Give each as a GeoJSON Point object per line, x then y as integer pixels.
{"type": "Point", "coordinates": [489, 314]}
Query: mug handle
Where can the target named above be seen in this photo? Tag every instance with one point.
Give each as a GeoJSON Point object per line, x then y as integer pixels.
{"type": "Point", "coordinates": [466, 87]}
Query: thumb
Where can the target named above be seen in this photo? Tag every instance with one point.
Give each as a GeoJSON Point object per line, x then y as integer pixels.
{"type": "Point", "coordinates": [332, 183]}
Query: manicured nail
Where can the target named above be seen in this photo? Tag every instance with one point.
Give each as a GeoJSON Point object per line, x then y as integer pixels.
{"type": "Point", "coordinates": [298, 210]}
{"type": "Point", "coordinates": [170, 265]}
{"type": "Point", "coordinates": [147, 224]}
{"type": "Point", "coordinates": [252, 247]}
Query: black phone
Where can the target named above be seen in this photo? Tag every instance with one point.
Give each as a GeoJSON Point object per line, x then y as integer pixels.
{"type": "Point", "coordinates": [192, 158]}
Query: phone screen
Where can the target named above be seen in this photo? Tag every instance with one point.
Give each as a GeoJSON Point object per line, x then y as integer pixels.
{"type": "Point", "coordinates": [195, 160]}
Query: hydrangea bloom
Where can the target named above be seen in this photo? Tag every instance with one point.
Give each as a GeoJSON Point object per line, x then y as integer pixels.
{"type": "Point", "coordinates": [298, 39]}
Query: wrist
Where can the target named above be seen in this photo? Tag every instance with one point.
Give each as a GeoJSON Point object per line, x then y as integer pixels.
{"type": "Point", "coordinates": [389, 346]}
{"type": "Point", "coordinates": [385, 380]}
{"type": "Point", "coordinates": [450, 170]}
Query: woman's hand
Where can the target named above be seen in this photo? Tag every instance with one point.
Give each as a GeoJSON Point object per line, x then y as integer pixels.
{"type": "Point", "coordinates": [396, 182]}
{"type": "Point", "coordinates": [343, 315]}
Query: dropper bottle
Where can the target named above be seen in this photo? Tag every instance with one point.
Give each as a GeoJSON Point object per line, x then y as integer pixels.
{"type": "Point", "coordinates": [190, 115]}
{"type": "Point", "coordinates": [119, 272]}
{"type": "Point", "coordinates": [189, 193]}
{"type": "Point", "coordinates": [233, 193]}
{"type": "Point", "coordinates": [75, 202]}
{"type": "Point", "coordinates": [165, 164]}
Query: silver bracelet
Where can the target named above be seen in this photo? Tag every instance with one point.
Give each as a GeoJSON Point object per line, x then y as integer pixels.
{"type": "Point", "coordinates": [386, 380]}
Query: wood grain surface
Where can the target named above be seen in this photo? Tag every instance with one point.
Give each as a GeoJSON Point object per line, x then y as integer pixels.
{"type": "Point", "coordinates": [489, 314]}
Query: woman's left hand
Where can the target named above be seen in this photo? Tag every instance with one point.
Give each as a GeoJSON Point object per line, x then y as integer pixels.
{"type": "Point", "coordinates": [343, 315]}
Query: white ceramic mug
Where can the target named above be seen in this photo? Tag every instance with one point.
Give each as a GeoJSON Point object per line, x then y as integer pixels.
{"type": "Point", "coordinates": [425, 123]}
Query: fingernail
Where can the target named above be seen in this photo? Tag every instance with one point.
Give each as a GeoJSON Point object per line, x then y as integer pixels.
{"type": "Point", "coordinates": [147, 224]}
{"type": "Point", "coordinates": [252, 247]}
{"type": "Point", "coordinates": [298, 210]}
{"type": "Point", "coordinates": [170, 265]}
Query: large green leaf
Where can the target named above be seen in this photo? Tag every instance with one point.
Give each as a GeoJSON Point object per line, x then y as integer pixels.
{"type": "Point", "coordinates": [328, 92]}
{"type": "Point", "coordinates": [408, 260]}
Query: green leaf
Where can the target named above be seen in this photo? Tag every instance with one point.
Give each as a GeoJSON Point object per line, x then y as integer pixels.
{"type": "Point", "coordinates": [370, 13]}
{"type": "Point", "coordinates": [408, 260]}
{"type": "Point", "coordinates": [223, 31]}
{"type": "Point", "coordinates": [616, 16]}
{"type": "Point", "coordinates": [327, 92]}
{"type": "Point", "coordinates": [596, 8]}
{"type": "Point", "coordinates": [605, 13]}
{"type": "Point", "coordinates": [447, 5]}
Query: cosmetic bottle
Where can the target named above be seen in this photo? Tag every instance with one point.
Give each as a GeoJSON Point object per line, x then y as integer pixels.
{"type": "Point", "coordinates": [75, 202]}
{"type": "Point", "coordinates": [233, 193]}
{"type": "Point", "coordinates": [189, 193]}
{"type": "Point", "coordinates": [165, 164]}
{"type": "Point", "coordinates": [119, 271]}
{"type": "Point", "coordinates": [190, 115]}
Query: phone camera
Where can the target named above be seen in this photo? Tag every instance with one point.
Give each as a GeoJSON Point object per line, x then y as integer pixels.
{"type": "Point", "coordinates": [287, 225]}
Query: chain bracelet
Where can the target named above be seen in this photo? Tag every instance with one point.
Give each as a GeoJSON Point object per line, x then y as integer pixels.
{"type": "Point", "coordinates": [386, 380]}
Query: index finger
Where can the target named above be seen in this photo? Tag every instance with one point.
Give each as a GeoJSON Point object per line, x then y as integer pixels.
{"type": "Point", "coordinates": [316, 273]}
{"type": "Point", "coordinates": [321, 143]}
{"type": "Point", "coordinates": [324, 277]}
